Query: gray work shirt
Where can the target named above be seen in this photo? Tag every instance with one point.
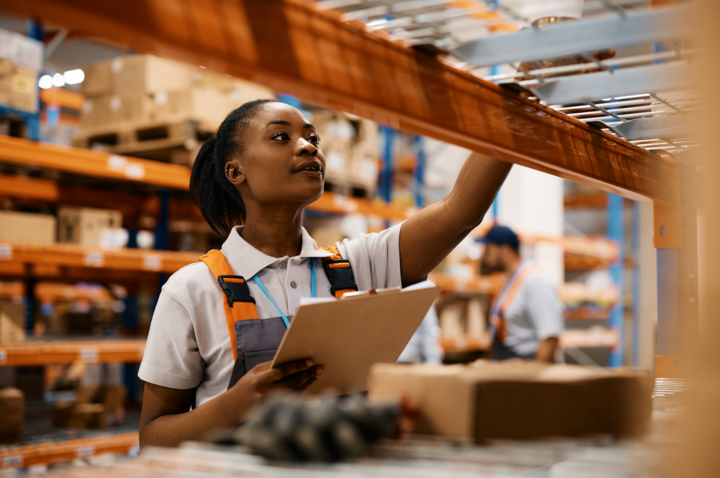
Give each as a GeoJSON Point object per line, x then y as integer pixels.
{"type": "Point", "coordinates": [535, 314]}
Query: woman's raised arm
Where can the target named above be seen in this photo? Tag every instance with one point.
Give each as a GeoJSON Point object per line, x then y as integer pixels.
{"type": "Point", "coordinates": [430, 235]}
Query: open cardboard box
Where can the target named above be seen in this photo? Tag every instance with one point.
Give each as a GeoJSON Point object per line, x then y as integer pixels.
{"type": "Point", "coordinates": [517, 399]}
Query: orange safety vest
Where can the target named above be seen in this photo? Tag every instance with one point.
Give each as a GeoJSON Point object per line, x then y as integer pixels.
{"type": "Point", "coordinates": [498, 319]}
{"type": "Point", "coordinates": [239, 304]}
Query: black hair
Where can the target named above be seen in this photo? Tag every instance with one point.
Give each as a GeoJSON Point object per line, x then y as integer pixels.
{"type": "Point", "coordinates": [220, 203]}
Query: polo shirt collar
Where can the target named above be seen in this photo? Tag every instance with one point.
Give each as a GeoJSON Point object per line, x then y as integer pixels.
{"type": "Point", "coordinates": [247, 261]}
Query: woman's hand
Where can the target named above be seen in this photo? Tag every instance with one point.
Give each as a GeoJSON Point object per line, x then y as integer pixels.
{"type": "Point", "coordinates": [262, 381]}
{"type": "Point", "coordinates": [168, 421]}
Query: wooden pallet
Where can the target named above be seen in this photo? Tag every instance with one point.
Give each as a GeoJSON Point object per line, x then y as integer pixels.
{"type": "Point", "coordinates": [174, 142]}
{"type": "Point", "coordinates": [349, 187]}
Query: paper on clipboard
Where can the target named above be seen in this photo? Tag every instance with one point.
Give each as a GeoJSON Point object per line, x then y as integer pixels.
{"type": "Point", "coordinates": [347, 336]}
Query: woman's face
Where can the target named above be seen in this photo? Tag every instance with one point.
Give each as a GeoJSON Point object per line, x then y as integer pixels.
{"type": "Point", "coordinates": [281, 160]}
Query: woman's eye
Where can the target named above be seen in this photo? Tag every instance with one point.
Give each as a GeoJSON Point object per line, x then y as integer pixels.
{"type": "Point", "coordinates": [281, 136]}
{"type": "Point", "coordinates": [315, 139]}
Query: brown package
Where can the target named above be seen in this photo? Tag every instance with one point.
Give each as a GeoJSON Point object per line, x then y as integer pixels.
{"type": "Point", "coordinates": [22, 226]}
{"type": "Point", "coordinates": [12, 322]}
{"type": "Point", "coordinates": [12, 415]}
{"type": "Point", "coordinates": [517, 400]}
{"type": "Point", "coordinates": [83, 225]}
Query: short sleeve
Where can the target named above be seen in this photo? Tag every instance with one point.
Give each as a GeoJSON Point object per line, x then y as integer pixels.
{"type": "Point", "coordinates": [543, 307]}
{"type": "Point", "coordinates": [172, 358]}
{"type": "Point", "coordinates": [375, 258]}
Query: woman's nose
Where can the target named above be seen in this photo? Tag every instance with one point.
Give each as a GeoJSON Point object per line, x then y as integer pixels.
{"type": "Point", "coordinates": [305, 147]}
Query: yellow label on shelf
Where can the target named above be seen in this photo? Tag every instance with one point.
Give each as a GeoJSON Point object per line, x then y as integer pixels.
{"type": "Point", "coordinates": [23, 84]}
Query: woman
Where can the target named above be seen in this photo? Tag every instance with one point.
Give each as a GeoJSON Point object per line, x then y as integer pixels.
{"type": "Point", "coordinates": [262, 169]}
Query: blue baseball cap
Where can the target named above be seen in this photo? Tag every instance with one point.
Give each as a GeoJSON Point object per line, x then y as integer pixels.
{"type": "Point", "coordinates": [501, 235]}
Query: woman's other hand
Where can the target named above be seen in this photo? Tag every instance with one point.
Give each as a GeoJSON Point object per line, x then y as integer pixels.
{"type": "Point", "coordinates": [262, 380]}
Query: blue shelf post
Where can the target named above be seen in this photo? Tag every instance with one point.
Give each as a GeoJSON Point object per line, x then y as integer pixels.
{"type": "Point", "coordinates": [635, 251]}
{"type": "Point", "coordinates": [616, 233]}
{"type": "Point", "coordinates": [419, 172]}
{"type": "Point", "coordinates": [387, 138]}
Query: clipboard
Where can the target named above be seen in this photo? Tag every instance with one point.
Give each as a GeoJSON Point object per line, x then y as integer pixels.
{"type": "Point", "coordinates": [348, 335]}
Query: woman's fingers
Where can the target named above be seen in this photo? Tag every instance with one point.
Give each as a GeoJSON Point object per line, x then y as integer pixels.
{"type": "Point", "coordinates": [269, 376]}
{"type": "Point", "coordinates": [298, 380]}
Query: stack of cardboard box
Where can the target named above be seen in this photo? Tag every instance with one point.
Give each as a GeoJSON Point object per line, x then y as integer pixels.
{"type": "Point", "coordinates": [351, 148]}
{"type": "Point", "coordinates": [143, 90]}
{"type": "Point", "coordinates": [20, 62]}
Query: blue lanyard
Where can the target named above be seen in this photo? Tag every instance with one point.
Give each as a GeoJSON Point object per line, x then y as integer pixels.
{"type": "Point", "coordinates": [313, 290]}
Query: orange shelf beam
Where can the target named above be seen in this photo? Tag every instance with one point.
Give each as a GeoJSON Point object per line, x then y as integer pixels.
{"type": "Point", "coordinates": [155, 173]}
{"type": "Point", "coordinates": [94, 257]}
{"type": "Point", "coordinates": [93, 163]}
{"type": "Point", "coordinates": [70, 450]}
{"type": "Point", "coordinates": [62, 98]}
{"type": "Point", "coordinates": [57, 352]}
{"type": "Point", "coordinates": [49, 292]}
{"type": "Point", "coordinates": [296, 47]}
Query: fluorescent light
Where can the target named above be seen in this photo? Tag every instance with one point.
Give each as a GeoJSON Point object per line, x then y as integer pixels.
{"type": "Point", "coordinates": [58, 80]}
{"type": "Point", "coordinates": [73, 77]}
{"type": "Point", "coordinates": [45, 82]}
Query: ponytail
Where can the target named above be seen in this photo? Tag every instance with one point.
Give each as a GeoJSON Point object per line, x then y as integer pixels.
{"type": "Point", "coordinates": [218, 199]}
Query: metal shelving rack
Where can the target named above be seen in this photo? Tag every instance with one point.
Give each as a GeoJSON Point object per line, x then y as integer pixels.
{"type": "Point", "coordinates": [328, 57]}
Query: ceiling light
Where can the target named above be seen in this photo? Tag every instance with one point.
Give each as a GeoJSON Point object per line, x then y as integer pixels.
{"type": "Point", "coordinates": [58, 80]}
{"type": "Point", "coordinates": [73, 77]}
{"type": "Point", "coordinates": [45, 82]}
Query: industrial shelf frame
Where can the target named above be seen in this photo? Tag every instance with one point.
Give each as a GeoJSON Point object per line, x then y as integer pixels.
{"type": "Point", "coordinates": [295, 47]}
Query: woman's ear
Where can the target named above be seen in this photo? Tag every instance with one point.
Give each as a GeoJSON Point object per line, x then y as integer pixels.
{"type": "Point", "coordinates": [234, 172]}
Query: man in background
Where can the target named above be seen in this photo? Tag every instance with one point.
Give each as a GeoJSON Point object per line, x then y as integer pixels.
{"type": "Point", "coordinates": [526, 318]}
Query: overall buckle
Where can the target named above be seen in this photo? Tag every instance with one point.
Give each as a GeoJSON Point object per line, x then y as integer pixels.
{"type": "Point", "coordinates": [339, 274]}
{"type": "Point", "coordinates": [236, 289]}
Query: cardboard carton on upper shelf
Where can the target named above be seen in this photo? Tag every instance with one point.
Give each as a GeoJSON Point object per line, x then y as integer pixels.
{"type": "Point", "coordinates": [138, 74]}
{"type": "Point", "coordinates": [12, 416]}
{"type": "Point", "coordinates": [517, 399]}
{"type": "Point", "coordinates": [99, 80]}
{"type": "Point", "coordinates": [84, 225]}
{"type": "Point", "coordinates": [337, 136]}
{"type": "Point", "coordinates": [21, 49]}
{"type": "Point", "coordinates": [21, 226]}
{"type": "Point", "coordinates": [12, 321]}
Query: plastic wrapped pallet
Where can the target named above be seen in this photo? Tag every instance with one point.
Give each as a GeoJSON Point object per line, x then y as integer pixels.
{"type": "Point", "coordinates": [517, 399]}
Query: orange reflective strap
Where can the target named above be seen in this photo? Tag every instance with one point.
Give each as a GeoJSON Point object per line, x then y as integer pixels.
{"type": "Point", "coordinates": [218, 265]}
{"type": "Point", "coordinates": [343, 265]}
{"type": "Point", "coordinates": [334, 251]}
{"type": "Point", "coordinates": [498, 320]}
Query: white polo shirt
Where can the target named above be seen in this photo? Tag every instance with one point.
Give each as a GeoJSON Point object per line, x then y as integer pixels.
{"type": "Point", "coordinates": [189, 345]}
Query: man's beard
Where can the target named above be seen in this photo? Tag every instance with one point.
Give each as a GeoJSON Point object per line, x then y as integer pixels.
{"type": "Point", "coordinates": [486, 269]}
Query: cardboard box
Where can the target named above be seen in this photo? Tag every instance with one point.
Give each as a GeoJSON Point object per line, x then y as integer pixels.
{"type": "Point", "coordinates": [99, 80]}
{"type": "Point", "coordinates": [337, 136]}
{"type": "Point", "coordinates": [112, 110]}
{"type": "Point", "coordinates": [138, 74]}
{"type": "Point", "coordinates": [21, 226]}
{"type": "Point", "coordinates": [83, 225]}
{"type": "Point", "coordinates": [12, 322]}
{"type": "Point", "coordinates": [12, 418]}
{"type": "Point", "coordinates": [517, 399]}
